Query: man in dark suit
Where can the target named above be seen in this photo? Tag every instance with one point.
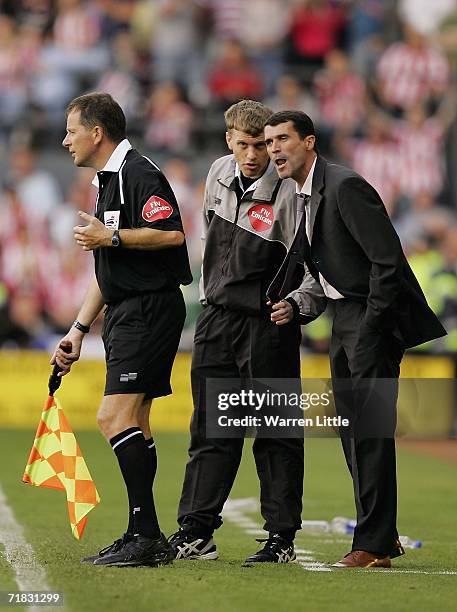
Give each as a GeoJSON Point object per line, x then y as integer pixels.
{"type": "Point", "coordinates": [347, 242]}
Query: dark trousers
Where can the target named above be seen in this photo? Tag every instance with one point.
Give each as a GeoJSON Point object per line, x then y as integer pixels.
{"type": "Point", "coordinates": [228, 344]}
{"type": "Point", "coordinates": [365, 365]}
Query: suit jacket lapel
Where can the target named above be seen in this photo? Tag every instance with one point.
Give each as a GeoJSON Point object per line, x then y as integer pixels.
{"type": "Point", "coordinates": [316, 192]}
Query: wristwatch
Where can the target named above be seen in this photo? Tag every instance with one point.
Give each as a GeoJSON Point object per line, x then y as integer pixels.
{"type": "Point", "coordinates": [116, 239]}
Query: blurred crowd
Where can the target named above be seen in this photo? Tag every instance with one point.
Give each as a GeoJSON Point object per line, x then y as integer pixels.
{"type": "Point", "coordinates": [377, 77]}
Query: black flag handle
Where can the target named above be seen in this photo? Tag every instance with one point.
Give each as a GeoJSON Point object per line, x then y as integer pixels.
{"type": "Point", "coordinates": [54, 380]}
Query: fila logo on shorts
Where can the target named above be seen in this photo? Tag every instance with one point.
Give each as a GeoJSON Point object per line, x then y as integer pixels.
{"type": "Point", "coordinates": [129, 376]}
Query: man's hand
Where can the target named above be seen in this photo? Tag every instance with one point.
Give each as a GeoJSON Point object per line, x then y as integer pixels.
{"type": "Point", "coordinates": [93, 235]}
{"type": "Point", "coordinates": [66, 360]}
{"type": "Point", "coordinates": [282, 312]}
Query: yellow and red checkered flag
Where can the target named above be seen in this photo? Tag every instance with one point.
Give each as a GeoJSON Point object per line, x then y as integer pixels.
{"type": "Point", "coordinates": [56, 462]}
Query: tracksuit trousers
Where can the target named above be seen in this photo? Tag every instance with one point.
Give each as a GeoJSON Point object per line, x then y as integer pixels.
{"type": "Point", "coordinates": [230, 344]}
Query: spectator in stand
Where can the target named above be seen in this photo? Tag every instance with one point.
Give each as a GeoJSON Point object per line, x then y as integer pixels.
{"type": "Point", "coordinates": [11, 213]}
{"type": "Point", "coordinates": [425, 16]}
{"type": "Point", "coordinates": [317, 26]}
{"type": "Point", "coordinates": [435, 265]}
{"type": "Point", "coordinates": [179, 174]}
{"type": "Point", "coordinates": [37, 190]}
{"type": "Point", "coordinates": [13, 86]}
{"type": "Point", "coordinates": [115, 16]}
{"type": "Point", "coordinates": [233, 77]}
{"type": "Point", "coordinates": [226, 17]}
{"type": "Point", "coordinates": [410, 71]}
{"type": "Point", "coordinates": [174, 42]}
{"type": "Point", "coordinates": [76, 46]}
{"type": "Point", "coordinates": [23, 261]}
{"type": "Point", "coordinates": [65, 285]}
{"type": "Point", "coordinates": [445, 285]}
{"type": "Point", "coordinates": [446, 39]}
{"type": "Point", "coordinates": [81, 195]}
{"type": "Point", "coordinates": [77, 26]}
{"type": "Point", "coordinates": [341, 94]}
{"type": "Point", "coordinates": [369, 20]}
{"type": "Point", "coordinates": [169, 119]}
{"type": "Point", "coordinates": [35, 13]}
{"type": "Point", "coordinates": [290, 94]}
{"type": "Point", "coordinates": [68, 270]}
{"type": "Point", "coordinates": [420, 139]}
{"type": "Point", "coordinates": [425, 220]}
{"type": "Point", "coordinates": [264, 41]}
{"type": "Point", "coordinates": [72, 56]}
{"type": "Point", "coordinates": [375, 157]}
{"type": "Point", "coordinates": [25, 327]}
{"type": "Point", "coordinates": [121, 80]}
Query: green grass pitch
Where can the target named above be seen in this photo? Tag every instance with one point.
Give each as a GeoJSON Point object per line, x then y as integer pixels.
{"type": "Point", "coordinates": [427, 511]}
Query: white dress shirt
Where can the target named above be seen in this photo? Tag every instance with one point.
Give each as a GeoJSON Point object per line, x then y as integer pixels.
{"type": "Point", "coordinates": [305, 195]}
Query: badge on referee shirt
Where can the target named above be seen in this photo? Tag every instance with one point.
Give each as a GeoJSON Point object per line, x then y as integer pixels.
{"type": "Point", "coordinates": [112, 219]}
{"type": "Point", "coordinates": [156, 208]}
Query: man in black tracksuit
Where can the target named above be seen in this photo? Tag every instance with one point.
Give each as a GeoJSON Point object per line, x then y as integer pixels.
{"type": "Point", "coordinates": [249, 224]}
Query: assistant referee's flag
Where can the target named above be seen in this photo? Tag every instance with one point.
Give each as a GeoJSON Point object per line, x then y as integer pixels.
{"type": "Point", "coordinates": [56, 462]}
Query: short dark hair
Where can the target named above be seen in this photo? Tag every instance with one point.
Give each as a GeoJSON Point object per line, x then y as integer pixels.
{"type": "Point", "coordinates": [303, 124]}
{"type": "Point", "coordinates": [99, 108]}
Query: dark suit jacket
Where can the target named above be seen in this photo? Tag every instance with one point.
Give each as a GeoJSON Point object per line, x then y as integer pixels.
{"type": "Point", "coordinates": [357, 250]}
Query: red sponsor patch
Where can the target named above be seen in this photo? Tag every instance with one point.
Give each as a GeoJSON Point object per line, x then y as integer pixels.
{"type": "Point", "coordinates": [155, 209]}
{"type": "Point", "coordinates": [261, 217]}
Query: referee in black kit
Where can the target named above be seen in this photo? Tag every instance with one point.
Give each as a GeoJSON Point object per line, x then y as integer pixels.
{"type": "Point", "coordinates": [140, 261]}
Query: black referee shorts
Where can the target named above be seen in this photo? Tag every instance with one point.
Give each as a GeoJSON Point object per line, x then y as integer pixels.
{"type": "Point", "coordinates": [141, 337]}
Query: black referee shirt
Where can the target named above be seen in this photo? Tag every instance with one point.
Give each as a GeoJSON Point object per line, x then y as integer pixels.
{"type": "Point", "coordinates": [134, 193]}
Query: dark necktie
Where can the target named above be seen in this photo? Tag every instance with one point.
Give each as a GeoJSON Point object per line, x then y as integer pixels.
{"type": "Point", "coordinates": [302, 206]}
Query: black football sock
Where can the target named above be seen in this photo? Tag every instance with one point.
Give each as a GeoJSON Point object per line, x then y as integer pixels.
{"type": "Point", "coordinates": [152, 449]}
{"type": "Point", "coordinates": [135, 463]}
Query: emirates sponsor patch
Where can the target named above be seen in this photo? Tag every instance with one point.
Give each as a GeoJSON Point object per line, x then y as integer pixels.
{"type": "Point", "coordinates": [261, 217]}
{"type": "Point", "coordinates": [156, 208]}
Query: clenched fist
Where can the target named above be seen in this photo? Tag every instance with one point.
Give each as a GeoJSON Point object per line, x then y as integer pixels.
{"type": "Point", "coordinates": [93, 235]}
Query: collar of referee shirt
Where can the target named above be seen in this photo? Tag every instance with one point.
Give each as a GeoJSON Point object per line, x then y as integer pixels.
{"type": "Point", "coordinates": [114, 163]}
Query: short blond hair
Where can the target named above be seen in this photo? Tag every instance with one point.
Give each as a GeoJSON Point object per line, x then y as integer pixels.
{"type": "Point", "coordinates": [247, 116]}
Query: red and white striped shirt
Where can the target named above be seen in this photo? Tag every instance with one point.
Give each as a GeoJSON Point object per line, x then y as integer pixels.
{"type": "Point", "coordinates": [420, 151]}
{"type": "Point", "coordinates": [408, 75]}
{"type": "Point", "coordinates": [342, 101]}
{"type": "Point", "coordinates": [77, 28]}
{"type": "Point", "coordinates": [378, 164]}
{"type": "Point", "coordinates": [226, 17]}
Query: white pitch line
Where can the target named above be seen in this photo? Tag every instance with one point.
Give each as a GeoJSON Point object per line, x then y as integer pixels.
{"type": "Point", "coordinates": [29, 574]}
{"type": "Point", "coordinates": [303, 551]}
{"type": "Point", "coordinates": [234, 511]}
{"type": "Point", "coordinates": [408, 571]}
{"type": "Point", "coordinates": [315, 566]}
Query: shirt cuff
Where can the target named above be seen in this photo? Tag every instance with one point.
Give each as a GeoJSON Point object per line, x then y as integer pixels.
{"type": "Point", "coordinates": [294, 305]}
